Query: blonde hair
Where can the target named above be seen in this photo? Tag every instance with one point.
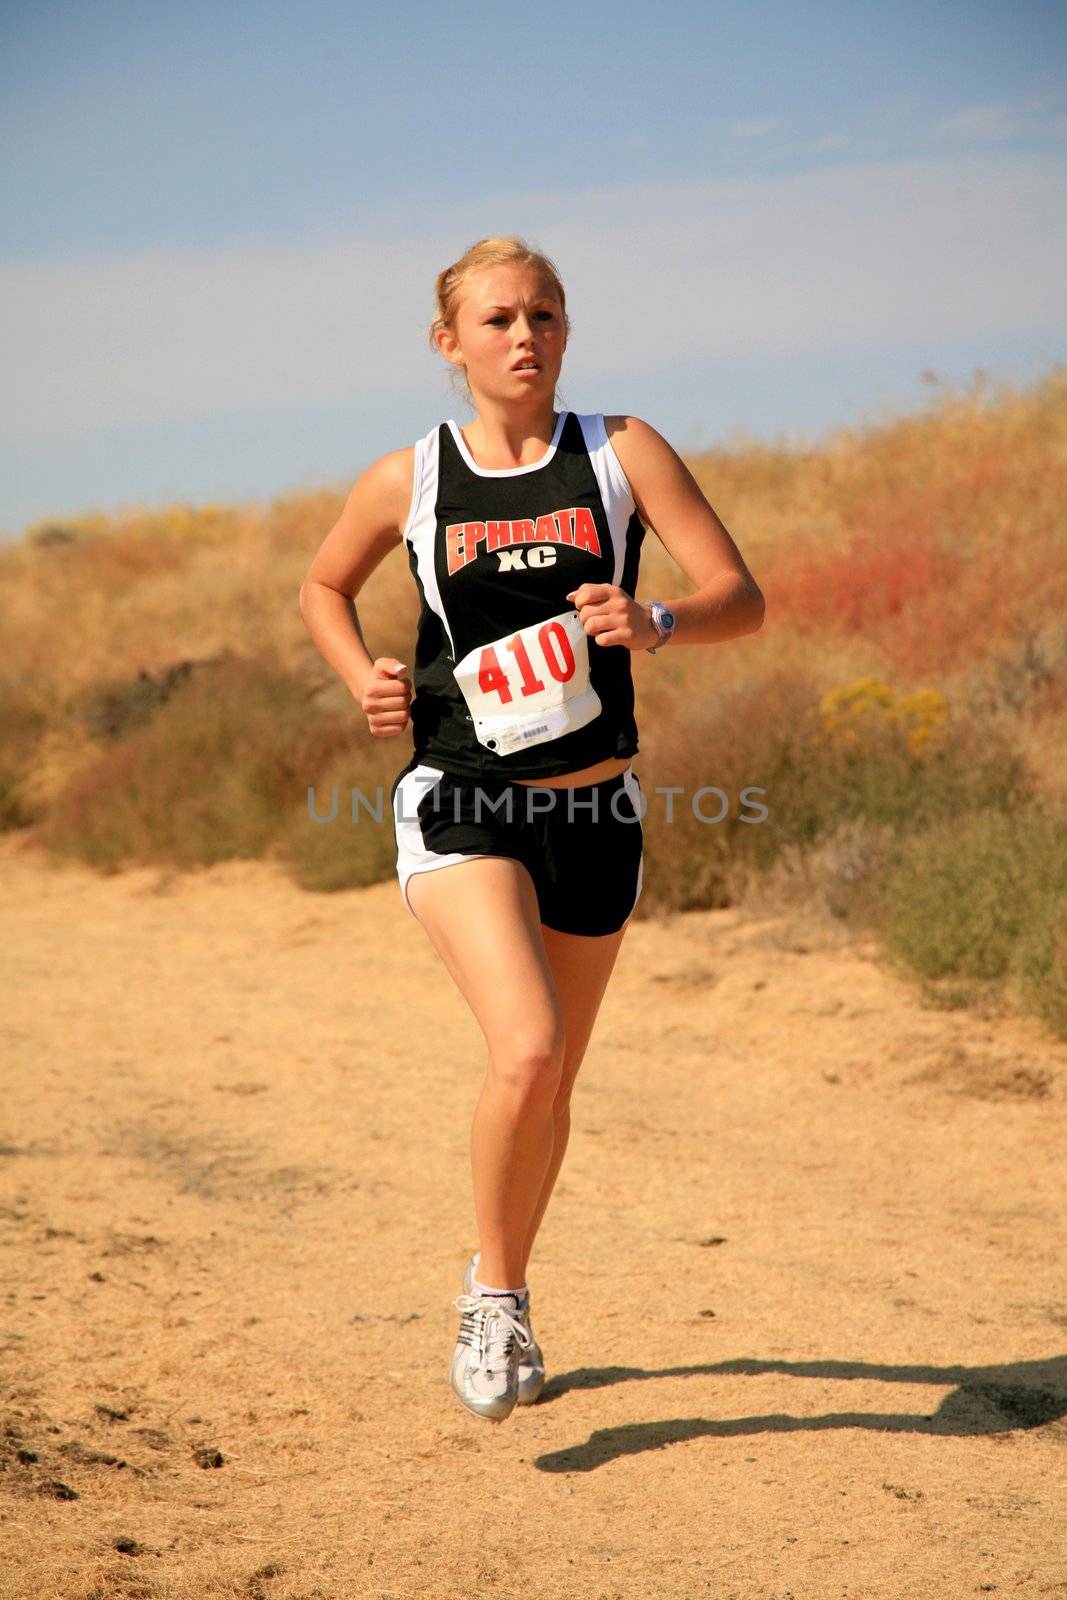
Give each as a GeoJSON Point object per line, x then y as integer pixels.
{"type": "Point", "coordinates": [496, 252]}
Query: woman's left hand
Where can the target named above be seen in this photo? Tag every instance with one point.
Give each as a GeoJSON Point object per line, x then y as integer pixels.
{"type": "Point", "coordinates": [611, 616]}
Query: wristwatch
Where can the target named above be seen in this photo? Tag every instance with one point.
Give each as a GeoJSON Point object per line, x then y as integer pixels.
{"type": "Point", "coordinates": [663, 622]}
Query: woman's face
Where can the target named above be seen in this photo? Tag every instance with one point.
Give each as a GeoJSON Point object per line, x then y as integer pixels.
{"type": "Point", "coordinates": [508, 315]}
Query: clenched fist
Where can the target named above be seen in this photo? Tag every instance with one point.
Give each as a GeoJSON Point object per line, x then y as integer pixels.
{"type": "Point", "coordinates": [610, 616]}
{"type": "Point", "coordinates": [386, 698]}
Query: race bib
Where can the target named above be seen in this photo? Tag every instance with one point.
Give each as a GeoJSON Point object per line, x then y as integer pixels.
{"type": "Point", "coordinates": [530, 686]}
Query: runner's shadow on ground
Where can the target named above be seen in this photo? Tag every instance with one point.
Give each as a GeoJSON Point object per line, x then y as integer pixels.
{"type": "Point", "coordinates": [986, 1400]}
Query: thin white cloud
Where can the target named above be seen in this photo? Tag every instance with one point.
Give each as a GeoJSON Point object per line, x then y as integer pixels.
{"type": "Point", "coordinates": [857, 256]}
{"type": "Point", "coordinates": [1035, 115]}
{"type": "Point", "coordinates": [755, 127]}
{"type": "Point", "coordinates": [991, 122]}
{"type": "Point", "coordinates": [828, 141]}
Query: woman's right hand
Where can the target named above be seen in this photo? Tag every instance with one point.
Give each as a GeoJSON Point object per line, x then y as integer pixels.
{"type": "Point", "coordinates": [386, 698]}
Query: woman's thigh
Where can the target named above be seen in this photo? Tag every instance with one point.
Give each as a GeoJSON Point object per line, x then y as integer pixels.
{"type": "Point", "coordinates": [482, 918]}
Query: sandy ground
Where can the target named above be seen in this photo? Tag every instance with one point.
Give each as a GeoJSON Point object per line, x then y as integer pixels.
{"type": "Point", "coordinates": [800, 1289]}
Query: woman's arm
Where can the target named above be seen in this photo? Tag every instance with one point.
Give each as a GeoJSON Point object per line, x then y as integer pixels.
{"type": "Point", "coordinates": [367, 529]}
{"type": "Point", "coordinates": [728, 601]}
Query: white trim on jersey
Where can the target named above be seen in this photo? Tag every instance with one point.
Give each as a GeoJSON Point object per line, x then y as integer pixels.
{"type": "Point", "coordinates": [614, 488]}
{"type": "Point", "coordinates": [421, 531]}
{"type": "Point", "coordinates": [507, 472]}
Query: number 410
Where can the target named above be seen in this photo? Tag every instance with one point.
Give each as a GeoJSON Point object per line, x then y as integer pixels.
{"type": "Point", "coordinates": [555, 650]}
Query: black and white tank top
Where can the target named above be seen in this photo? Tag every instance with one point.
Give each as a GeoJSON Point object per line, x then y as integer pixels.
{"type": "Point", "coordinates": [506, 681]}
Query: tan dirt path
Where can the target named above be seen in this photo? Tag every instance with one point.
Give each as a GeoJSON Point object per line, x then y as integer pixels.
{"type": "Point", "coordinates": [800, 1288]}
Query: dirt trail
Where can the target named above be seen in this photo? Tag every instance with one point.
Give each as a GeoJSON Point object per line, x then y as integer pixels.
{"type": "Point", "coordinates": [800, 1289]}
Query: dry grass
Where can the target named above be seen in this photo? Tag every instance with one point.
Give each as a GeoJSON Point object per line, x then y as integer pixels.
{"type": "Point", "coordinates": [164, 703]}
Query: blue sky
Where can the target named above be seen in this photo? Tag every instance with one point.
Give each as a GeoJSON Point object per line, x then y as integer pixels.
{"type": "Point", "coordinates": [221, 225]}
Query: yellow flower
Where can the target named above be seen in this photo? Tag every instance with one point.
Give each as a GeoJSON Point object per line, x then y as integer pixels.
{"type": "Point", "coordinates": [869, 705]}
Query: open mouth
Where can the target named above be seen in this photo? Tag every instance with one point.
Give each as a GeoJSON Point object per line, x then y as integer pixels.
{"type": "Point", "coordinates": [527, 366]}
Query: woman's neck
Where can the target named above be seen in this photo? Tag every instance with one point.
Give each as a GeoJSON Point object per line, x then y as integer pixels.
{"type": "Point", "coordinates": [503, 439]}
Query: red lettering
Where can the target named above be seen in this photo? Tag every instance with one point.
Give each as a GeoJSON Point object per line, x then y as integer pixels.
{"type": "Point", "coordinates": [585, 534]}
{"type": "Point", "coordinates": [531, 683]}
{"type": "Point", "coordinates": [491, 675]}
{"type": "Point", "coordinates": [455, 546]}
{"type": "Point", "coordinates": [474, 535]}
{"type": "Point", "coordinates": [575, 526]}
{"type": "Point", "coordinates": [555, 633]}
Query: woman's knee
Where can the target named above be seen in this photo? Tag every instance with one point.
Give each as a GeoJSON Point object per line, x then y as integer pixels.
{"type": "Point", "coordinates": [530, 1066]}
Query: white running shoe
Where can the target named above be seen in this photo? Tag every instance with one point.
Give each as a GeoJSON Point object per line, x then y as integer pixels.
{"type": "Point", "coordinates": [485, 1366]}
{"type": "Point", "coordinates": [531, 1367]}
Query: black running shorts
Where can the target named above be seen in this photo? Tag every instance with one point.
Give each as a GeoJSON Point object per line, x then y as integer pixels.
{"type": "Point", "coordinates": [583, 846]}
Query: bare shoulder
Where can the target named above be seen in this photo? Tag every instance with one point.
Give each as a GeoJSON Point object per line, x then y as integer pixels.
{"type": "Point", "coordinates": [629, 428]}
{"type": "Point", "coordinates": [637, 441]}
{"type": "Point", "coordinates": [370, 525]}
{"type": "Point", "coordinates": [386, 488]}
{"type": "Point", "coordinates": [645, 456]}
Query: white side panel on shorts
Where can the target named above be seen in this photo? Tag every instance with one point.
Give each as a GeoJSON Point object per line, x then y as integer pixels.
{"type": "Point", "coordinates": [412, 855]}
{"type": "Point", "coordinates": [633, 789]}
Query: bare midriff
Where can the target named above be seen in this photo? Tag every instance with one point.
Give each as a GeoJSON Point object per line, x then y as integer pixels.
{"type": "Point", "coordinates": [585, 775]}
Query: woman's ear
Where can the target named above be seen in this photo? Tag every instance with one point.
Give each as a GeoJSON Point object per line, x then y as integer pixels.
{"type": "Point", "coordinates": [448, 345]}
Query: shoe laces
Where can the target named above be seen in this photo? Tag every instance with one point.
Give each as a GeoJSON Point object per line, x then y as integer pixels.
{"type": "Point", "coordinates": [490, 1328]}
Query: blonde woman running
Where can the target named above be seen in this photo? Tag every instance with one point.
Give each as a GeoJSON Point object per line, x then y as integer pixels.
{"type": "Point", "coordinates": [518, 816]}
